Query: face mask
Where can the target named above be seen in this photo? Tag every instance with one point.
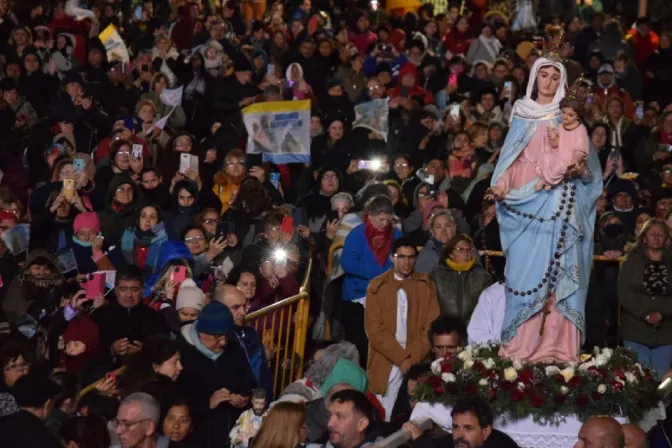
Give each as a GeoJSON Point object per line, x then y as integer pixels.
{"type": "Point", "coordinates": [613, 230]}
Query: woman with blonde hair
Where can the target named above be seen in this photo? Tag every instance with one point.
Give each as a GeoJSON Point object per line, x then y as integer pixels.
{"type": "Point", "coordinates": [284, 427]}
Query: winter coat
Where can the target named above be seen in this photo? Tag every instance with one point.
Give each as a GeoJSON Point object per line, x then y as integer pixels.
{"type": "Point", "coordinates": [202, 376]}
{"type": "Point", "coordinates": [458, 292]}
{"type": "Point", "coordinates": [360, 264]}
{"type": "Point", "coordinates": [114, 222]}
{"type": "Point", "coordinates": [250, 341]}
{"type": "Point", "coordinates": [380, 319]}
{"type": "Point", "coordinates": [25, 430]}
{"type": "Point", "coordinates": [636, 302]}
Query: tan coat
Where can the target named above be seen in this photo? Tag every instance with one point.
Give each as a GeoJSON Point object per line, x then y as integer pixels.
{"type": "Point", "coordinates": [380, 318]}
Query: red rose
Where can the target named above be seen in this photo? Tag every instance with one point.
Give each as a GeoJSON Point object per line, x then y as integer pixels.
{"type": "Point", "coordinates": [603, 373]}
{"type": "Point", "coordinates": [479, 367]}
{"type": "Point", "coordinates": [452, 388]}
{"type": "Point", "coordinates": [508, 385]}
{"type": "Point", "coordinates": [582, 400]}
{"type": "Point", "coordinates": [576, 382]}
{"type": "Point", "coordinates": [526, 376]}
{"type": "Point", "coordinates": [617, 385]}
{"type": "Point", "coordinates": [648, 377]}
{"type": "Point", "coordinates": [596, 396]}
{"type": "Point", "coordinates": [559, 378]}
{"type": "Point", "coordinates": [518, 394]}
{"type": "Point", "coordinates": [471, 389]}
{"type": "Point", "coordinates": [560, 399]}
{"type": "Point", "coordinates": [434, 381]}
{"type": "Point", "coordinates": [537, 401]}
{"type": "Point", "coordinates": [438, 391]}
{"type": "Point", "coordinates": [492, 394]}
{"type": "Point", "coordinates": [446, 367]}
{"type": "Point", "coordinates": [618, 373]}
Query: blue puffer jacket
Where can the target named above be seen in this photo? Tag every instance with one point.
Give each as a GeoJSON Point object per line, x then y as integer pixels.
{"type": "Point", "coordinates": [360, 264]}
{"type": "Point", "coordinates": [169, 251]}
{"type": "Point", "coordinates": [250, 341]}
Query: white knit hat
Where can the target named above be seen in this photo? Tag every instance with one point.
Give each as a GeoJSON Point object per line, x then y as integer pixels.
{"type": "Point", "coordinates": [190, 296]}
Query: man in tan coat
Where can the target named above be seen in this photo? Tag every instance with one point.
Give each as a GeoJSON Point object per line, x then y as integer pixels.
{"type": "Point", "coordinates": [400, 307]}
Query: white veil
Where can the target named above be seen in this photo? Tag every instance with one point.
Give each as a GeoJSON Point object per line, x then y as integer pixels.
{"type": "Point", "coordinates": [527, 107]}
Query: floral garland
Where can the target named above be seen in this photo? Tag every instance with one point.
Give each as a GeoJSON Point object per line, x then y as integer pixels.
{"type": "Point", "coordinates": [605, 382]}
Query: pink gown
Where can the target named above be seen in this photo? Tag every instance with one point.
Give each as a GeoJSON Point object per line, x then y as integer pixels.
{"type": "Point", "coordinates": [560, 340]}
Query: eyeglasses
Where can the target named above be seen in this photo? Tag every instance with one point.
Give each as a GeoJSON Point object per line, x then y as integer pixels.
{"type": "Point", "coordinates": [401, 165]}
{"type": "Point", "coordinates": [183, 143]}
{"type": "Point", "coordinates": [194, 239]}
{"type": "Point", "coordinates": [376, 87]}
{"type": "Point", "coordinates": [466, 250]}
{"type": "Point", "coordinates": [124, 425]}
{"type": "Point", "coordinates": [123, 153]}
{"type": "Point", "coordinates": [405, 257]}
{"type": "Point", "coordinates": [127, 190]}
{"type": "Point", "coordinates": [329, 177]}
{"type": "Point", "coordinates": [210, 221]}
{"type": "Point", "coordinates": [235, 162]}
{"type": "Point", "coordinates": [17, 366]}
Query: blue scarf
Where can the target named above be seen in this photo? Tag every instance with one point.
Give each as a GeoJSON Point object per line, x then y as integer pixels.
{"type": "Point", "coordinates": [193, 334]}
{"type": "Point", "coordinates": [80, 242]}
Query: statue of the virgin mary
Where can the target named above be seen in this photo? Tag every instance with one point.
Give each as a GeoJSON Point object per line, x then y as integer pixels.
{"type": "Point", "coordinates": [547, 236]}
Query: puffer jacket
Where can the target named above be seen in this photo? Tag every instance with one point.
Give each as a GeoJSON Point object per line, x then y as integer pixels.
{"type": "Point", "coordinates": [458, 291]}
{"type": "Point", "coordinates": [636, 302]}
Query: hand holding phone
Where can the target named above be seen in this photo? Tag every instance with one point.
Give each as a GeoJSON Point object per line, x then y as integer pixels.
{"type": "Point", "coordinates": [94, 285]}
{"type": "Point", "coordinates": [68, 188]}
{"type": "Point", "coordinates": [287, 225]}
{"type": "Point", "coordinates": [179, 274]}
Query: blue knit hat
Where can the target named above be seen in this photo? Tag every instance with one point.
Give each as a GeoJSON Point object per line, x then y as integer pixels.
{"type": "Point", "coordinates": [215, 318]}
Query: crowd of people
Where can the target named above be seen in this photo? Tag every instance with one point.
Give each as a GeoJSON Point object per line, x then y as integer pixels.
{"type": "Point", "coordinates": [123, 269]}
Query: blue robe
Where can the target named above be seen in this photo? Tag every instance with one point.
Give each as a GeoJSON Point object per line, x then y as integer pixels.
{"type": "Point", "coordinates": [529, 245]}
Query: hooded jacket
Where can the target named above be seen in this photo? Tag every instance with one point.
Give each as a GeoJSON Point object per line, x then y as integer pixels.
{"type": "Point", "coordinates": [179, 217]}
{"type": "Point", "coordinates": [113, 219]}
{"type": "Point", "coordinates": [169, 251]}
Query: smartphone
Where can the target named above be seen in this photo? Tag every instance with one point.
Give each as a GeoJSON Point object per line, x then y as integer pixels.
{"type": "Point", "coordinates": [270, 68]}
{"type": "Point", "coordinates": [94, 285]}
{"type": "Point", "coordinates": [287, 225]}
{"type": "Point", "coordinates": [78, 164]}
{"type": "Point", "coordinates": [134, 333]}
{"type": "Point", "coordinates": [111, 376]}
{"type": "Point", "coordinates": [136, 151]}
{"type": "Point", "coordinates": [222, 229]}
{"type": "Point", "coordinates": [179, 274]}
{"type": "Point", "coordinates": [639, 112]}
{"type": "Point", "coordinates": [589, 100]}
{"type": "Point", "coordinates": [452, 79]}
{"type": "Point", "coordinates": [508, 85]}
{"type": "Point", "coordinates": [372, 165]}
{"type": "Point", "coordinates": [275, 180]}
{"type": "Point", "coordinates": [668, 148]}
{"type": "Point", "coordinates": [68, 188]}
{"type": "Point", "coordinates": [300, 216]}
{"type": "Point", "coordinates": [454, 110]}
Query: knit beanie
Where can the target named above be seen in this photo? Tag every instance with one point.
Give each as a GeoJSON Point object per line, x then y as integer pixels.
{"type": "Point", "coordinates": [190, 296]}
{"type": "Point", "coordinates": [87, 220]}
{"type": "Point", "coordinates": [215, 318]}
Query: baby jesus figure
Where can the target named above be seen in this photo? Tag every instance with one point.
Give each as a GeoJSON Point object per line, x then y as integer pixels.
{"type": "Point", "coordinates": [569, 143]}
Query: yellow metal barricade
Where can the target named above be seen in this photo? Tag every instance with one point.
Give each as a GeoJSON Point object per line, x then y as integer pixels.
{"type": "Point", "coordinates": [284, 327]}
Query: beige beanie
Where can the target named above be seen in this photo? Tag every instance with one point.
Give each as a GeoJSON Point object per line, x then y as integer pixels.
{"type": "Point", "coordinates": [190, 296]}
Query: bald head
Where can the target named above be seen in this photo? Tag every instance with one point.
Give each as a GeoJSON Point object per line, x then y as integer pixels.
{"type": "Point", "coordinates": [601, 432]}
{"type": "Point", "coordinates": [234, 299]}
{"type": "Point", "coordinates": [635, 437]}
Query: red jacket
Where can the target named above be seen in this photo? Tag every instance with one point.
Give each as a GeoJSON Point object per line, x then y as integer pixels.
{"type": "Point", "coordinates": [416, 90]}
{"type": "Point", "coordinates": [642, 46]}
{"type": "Point", "coordinates": [456, 42]}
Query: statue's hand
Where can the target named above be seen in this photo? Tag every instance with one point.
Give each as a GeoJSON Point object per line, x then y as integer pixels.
{"type": "Point", "coordinates": [495, 193]}
{"type": "Point", "coordinates": [577, 169]}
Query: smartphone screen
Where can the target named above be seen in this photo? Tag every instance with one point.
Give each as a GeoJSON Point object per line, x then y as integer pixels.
{"type": "Point", "coordinates": [299, 216]}
{"type": "Point", "coordinates": [452, 80]}
{"type": "Point", "coordinates": [136, 151]}
{"type": "Point", "coordinates": [507, 85]}
{"type": "Point", "coordinates": [185, 162]}
{"type": "Point", "coordinates": [454, 110]}
{"type": "Point", "coordinates": [639, 112]}
{"type": "Point", "coordinates": [270, 68]}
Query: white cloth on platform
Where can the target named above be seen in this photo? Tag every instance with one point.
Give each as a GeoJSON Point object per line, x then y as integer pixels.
{"type": "Point", "coordinates": [485, 324]}
{"type": "Point", "coordinates": [396, 377]}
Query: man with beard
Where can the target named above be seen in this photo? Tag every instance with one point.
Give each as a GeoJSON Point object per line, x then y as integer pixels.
{"type": "Point", "coordinates": [350, 419]}
{"type": "Point", "coordinates": [249, 422]}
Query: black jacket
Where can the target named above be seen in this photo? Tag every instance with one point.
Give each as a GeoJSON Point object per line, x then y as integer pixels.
{"type": "Point", "coordinates": [201, 377]}
{"type": "Point", "coordinates": [25, 430]}
{"type": "Point", "coordinates": [497, 439]}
